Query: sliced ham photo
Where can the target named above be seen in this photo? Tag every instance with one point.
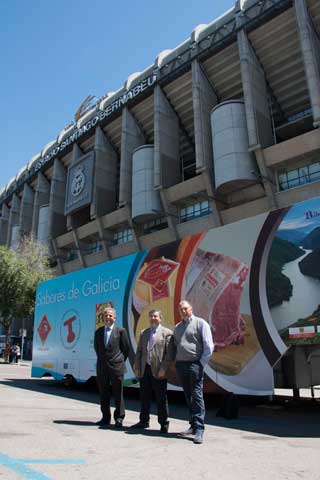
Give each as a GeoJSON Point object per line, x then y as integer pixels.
{"type": "Point", "coordinates": [214, 285]}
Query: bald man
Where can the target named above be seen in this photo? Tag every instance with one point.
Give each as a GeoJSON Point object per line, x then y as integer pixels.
{"type": "Point", "coordinates": [193, 347]}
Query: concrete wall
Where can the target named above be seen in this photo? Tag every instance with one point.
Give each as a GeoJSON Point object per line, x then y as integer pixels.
{"type": "Point", "coordinates": [166, 142]}
{"type": "Point", "coordinates": [131, 138]}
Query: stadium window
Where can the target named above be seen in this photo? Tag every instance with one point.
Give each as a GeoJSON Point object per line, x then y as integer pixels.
{"type": "Point", "coordinates": [194, 210]}
{"type": "Point", "coordinates": [299, 176]}
{"type": "Point", "coordinates": [155, 225]}
{"type": "Point", "coordinates": [122, 236]}
{"type": "Point", "coordinates": [94, 247]}
{"type": "Point", "coordinates": [71, 255]}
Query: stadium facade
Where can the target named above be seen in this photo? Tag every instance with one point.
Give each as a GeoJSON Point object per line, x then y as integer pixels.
{"type": "Point", "coordinates": [223, 127]}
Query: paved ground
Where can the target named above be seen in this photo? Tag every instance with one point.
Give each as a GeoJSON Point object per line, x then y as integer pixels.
{"type": "Point", "coordinates": [48, 432]}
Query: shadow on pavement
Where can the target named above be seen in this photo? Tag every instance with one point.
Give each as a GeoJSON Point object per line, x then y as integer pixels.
{"type": "Point", "coordinates": [77, 423]}
{"type": "Point", "coordinates": [281, 418]}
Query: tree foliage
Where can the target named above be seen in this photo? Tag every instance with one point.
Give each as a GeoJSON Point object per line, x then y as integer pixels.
{"type": "Point", "coordinates": [20, 273]}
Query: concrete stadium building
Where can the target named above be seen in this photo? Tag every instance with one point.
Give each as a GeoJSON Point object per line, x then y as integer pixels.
{"type": "Point", "coordinates": [223, 127]}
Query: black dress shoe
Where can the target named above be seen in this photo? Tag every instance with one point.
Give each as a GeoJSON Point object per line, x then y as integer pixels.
{"type": "Point", "coordinates": [140, 425]}
{"type": "Point", "coordinates": [118, 424]}
{"type": "Point", "coordinates": [164, 428]}
{"type": "Point", "coordinates": [103, 422]}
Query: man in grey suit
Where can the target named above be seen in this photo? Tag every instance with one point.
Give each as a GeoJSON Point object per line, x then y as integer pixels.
{"type": "Point", "coordinates": [151, 363]}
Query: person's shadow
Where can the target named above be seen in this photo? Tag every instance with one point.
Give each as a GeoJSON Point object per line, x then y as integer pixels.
{"type": "Point", "coordinates": [79, 423]}
{"type": "Point", "coordinates": [149, 432]}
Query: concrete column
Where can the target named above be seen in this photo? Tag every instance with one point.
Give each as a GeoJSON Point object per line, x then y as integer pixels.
{"type": "Point", "coordinates": [76, 154]}
{"type": "Point", "coordinates": [41, 197]}
{"type": "Point", "coordinates": [257, 111]}
{"type": "Point", "coordinates": [171, 213]}
{"type": "Point", "coordinates": [4, 219]}
{"type": "Point", "coordinates": [13, 216]}
{"type": "Point", "coordinates": [77, 243]}
{"type": "Point", "coordinates": [131, 138]}
{"type": "Point", "coordinates": [310, 46]}
{"type": "Point", "coordinates": [57, 219]}
{"type": "Point", "coordinates": [166, 142]}
{"type": "Point", "coordinates": [204, 99]}
{"type": "Point", "coordinates": [55, 250]}
{"type": "Point", "coordinates": [26, 210]}
{"type": "Point", "coordinates": [255, 95]}
{"type": "Point", "coordinates": [105, 176]}
{"type": "Point", "coordinates": [136, 229]}
{"type": "Point", "coordinates": [102, 237]}
{"type": "Point", "coordinates": [212, 201]}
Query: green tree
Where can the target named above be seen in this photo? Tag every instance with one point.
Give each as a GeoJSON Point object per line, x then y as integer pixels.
{"type": "Point", "coordinates": [20, 273]}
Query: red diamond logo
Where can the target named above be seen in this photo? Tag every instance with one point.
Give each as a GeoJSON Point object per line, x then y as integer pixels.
{"type": "Point", "coordinates": [44, 329]}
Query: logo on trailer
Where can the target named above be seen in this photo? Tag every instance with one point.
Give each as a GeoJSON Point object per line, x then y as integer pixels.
{"type": "Point", "coordinates": [70, 328]}
{"type": "Point", "coordinates": [44, 329]}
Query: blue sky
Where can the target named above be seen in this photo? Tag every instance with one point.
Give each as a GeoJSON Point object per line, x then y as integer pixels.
{"type": "Point", "coordinates": [54, 53]}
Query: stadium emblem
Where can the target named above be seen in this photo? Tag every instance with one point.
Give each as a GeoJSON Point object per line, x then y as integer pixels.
{"type": "Point", "coordinates": [78, 182]}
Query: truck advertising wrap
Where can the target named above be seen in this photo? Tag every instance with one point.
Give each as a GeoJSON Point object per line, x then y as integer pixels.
{"type": "Point", "coordinates": [256, 282]}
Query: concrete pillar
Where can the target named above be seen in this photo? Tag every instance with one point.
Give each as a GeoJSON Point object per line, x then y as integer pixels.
{"type": "Point", "coordinates": [57, 219]}
{"type": "Point", "coordinates": [171, 212]}
{"type": "Point", "coordinates": [105, 176]}
{"type": "Point", "coordinates": [55, 250]}
{"type": "Point", "coordinates": [78, 246]}
{"type": "Point", "coordinates": [166, 142]}
{"type": "Point", "coordinates": [41, 197]}
{"type": "Point", "coordinates": [310, 46]}
{"type": "Point", "coordinates": [212, 202]}
{"type": "Point", "coordinates": [76, 154]}
{"type": "Point", "coordinates": [13, 216]}
{"type": "Point", "coordinates": [255, 95]}
{"type": "Point", "coordinates": [204, 99]}
{"type": "Point", "coordinates": [102, 237]}
{"type": "Point", "coordinates": [26, 210]}
{"type": "Point", "coordinates": [132, 137]}
{"type": "Point", "coordinates": [4, 219]}
{"type": "Point", "coordinates": [257, 111]}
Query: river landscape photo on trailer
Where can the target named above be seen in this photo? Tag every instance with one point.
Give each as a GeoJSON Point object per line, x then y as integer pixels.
{"type": "Point", "coordinates": [293, 275]}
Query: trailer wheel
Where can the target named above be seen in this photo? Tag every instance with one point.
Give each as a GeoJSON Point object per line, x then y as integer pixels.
{"type": "Point", "coordinates": [69, 381]}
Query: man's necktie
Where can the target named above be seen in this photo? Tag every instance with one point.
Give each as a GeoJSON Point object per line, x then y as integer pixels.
{"type": "Point", "coordinates": [152, 338]}
{"type": "Point", "coordinates": [107, 334]}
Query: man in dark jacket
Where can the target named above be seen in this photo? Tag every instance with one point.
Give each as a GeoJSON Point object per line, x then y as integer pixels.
{"type": "Point", "coordinates": [112, 347]}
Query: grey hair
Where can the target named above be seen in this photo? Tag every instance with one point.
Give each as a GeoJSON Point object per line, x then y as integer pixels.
{"type": "Point", "coordinates": [156, 311]}
{"type": "Point", "coordinates": [110, 308]}
{"type": "Point", "coordinates": [184, 301]}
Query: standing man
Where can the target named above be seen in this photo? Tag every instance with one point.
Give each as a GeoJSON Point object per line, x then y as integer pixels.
{"type": "Point", "coordinates": [112, 347]}
{"type": "Point", "coordinates": [151, 363]}
{"type": "Point", "coordinates": [193, 349]}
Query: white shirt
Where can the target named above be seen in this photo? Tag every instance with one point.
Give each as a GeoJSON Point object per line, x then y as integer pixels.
{"type": "Point", "coordinates": [107, 334]}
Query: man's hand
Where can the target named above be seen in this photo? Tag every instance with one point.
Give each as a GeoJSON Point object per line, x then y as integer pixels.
{"type": "Point", "coordinates": [138, 373]}
{"type": "Point", "coordinates": [162, 373]}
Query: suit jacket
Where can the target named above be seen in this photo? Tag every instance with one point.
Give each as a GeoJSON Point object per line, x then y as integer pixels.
{"type": "Point", "coordinates": [158, 354]}
{"type": "Point", "coordinates": [111, 359]}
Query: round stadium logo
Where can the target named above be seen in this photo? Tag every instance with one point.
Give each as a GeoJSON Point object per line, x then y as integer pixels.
{"type": "Point", "coordinates": [70, 328]}
{"type": "Point", "coordinates": [78, 182]}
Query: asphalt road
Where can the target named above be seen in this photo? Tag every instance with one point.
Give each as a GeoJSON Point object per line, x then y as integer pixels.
{"type": "Point", "coordinates": [48, 432]}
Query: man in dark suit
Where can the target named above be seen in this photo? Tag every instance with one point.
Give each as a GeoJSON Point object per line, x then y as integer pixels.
{"type": "Point", "coordinates": [151, 363]}
{"type": "Point", "coordinates": [112, 347]}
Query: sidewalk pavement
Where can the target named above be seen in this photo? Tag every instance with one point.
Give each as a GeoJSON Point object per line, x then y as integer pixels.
{"type": "Point", "coordinates": [49, 433]}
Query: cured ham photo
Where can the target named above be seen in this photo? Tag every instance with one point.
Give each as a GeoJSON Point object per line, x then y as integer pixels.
{"type": "Point", "coordinates": [214, 285]}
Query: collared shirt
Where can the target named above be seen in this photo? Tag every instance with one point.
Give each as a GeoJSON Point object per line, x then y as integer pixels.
{"type": "Point", "coordinates": [151, 342]}
{"type": "Point", "coordinates": [208, 345]}
{"type": "Point", "coordinates": [107, 334]}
